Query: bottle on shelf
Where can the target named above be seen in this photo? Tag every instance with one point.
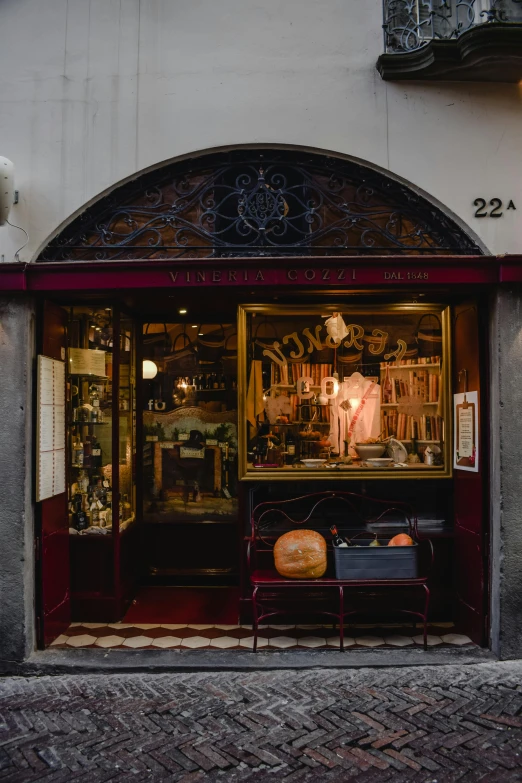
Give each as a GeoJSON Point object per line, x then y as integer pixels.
{"type": "Point", "coordinates": [87, 451]}
{"type": "Point", "coordinates": [94, 401]}
{"type": "Point", "coordinates": [95, 512]}
{"type": "Point", "coordinates": [77, 452]}
{"type": "Point", "coordinates": [215, 381]}
{"type": "Point", "coordinates": [96, 452]}
{"type": "Point", "coordinates": [223, 381]}
{"type": "Point", "coordinates": [336, 538]}
{"type": "Point", "coordinates": [290, 449]}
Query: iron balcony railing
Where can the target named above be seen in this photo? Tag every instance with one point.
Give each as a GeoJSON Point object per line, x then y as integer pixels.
{"type": "Point", "coordinates": [411, 24]}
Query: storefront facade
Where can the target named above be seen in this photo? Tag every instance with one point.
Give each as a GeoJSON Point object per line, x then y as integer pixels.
{"type": "Point", "coordinates": [265, 286]}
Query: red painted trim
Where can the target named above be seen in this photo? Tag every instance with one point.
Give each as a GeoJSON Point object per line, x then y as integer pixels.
{"type": "Point", "coordinates": [339, 272]}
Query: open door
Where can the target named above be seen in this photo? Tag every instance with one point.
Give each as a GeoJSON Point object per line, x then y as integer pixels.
{"type": "Point", "coordinates": [470, 499]}
{"type": "Point", "coordinates": [52, 538]}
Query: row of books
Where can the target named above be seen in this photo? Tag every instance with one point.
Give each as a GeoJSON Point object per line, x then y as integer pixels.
{"type": "Point", "coordinates": [405, 427]}
{"type": "Point", "coordinates": [292, 372]}
{"type": "Point", "coordinates": [421, 385]}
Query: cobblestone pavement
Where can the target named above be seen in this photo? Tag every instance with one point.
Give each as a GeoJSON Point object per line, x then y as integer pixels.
{"type": "Point", "coordinates": [447, 723]}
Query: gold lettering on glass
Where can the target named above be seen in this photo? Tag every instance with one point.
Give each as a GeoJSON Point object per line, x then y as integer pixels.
{"type": "Point", "coordinates": [376, 349]}
{"type": "Point", "coordinates": [314, 341]}
{"type": "Point", "coordinates": [294, 336]}
{"type": "Point", "coordinates": [355, 335]}
{"type": "Point", "coordinates": [399, 353]}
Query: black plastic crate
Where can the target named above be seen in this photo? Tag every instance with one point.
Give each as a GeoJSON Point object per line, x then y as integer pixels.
{"type": "Point", "coordinates": [376, 562]}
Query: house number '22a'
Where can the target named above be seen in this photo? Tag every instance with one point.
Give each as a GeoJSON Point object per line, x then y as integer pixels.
{"type": "Point", "coordinates": [496, 203]}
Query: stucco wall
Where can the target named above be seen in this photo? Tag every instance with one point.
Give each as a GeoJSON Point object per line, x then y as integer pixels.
{"type": "Point", "coordinates": [16, 461]}
{"type": "Point", "coordinates": [94, 90]}
{"type": "Point", "coordinates": [506, 485]}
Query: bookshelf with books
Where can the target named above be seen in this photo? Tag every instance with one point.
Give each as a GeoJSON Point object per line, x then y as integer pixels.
{"type": "Point", "coordinates": [411, 399]}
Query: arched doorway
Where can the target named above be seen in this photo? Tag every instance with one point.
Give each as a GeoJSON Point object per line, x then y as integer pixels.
{"type": "Point", "coordinates": [206, 234]}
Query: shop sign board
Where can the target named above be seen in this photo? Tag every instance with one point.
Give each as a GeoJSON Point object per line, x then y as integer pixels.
{"type": "Point", "coordinates": [324, 273]}
{"type": "Point", "coordinates": [466, 432]}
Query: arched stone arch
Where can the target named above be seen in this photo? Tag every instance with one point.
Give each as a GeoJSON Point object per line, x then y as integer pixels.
{"type": "Point", "coordinates": [260, 201]}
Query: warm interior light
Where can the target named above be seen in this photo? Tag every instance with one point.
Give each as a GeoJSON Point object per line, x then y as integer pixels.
{"type": "Point", "coordinates": [150, 369]}
{"type": "Point", "coordinates": [182, 312]}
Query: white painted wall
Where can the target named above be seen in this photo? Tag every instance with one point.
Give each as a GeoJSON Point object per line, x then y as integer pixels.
{"type": "Point", "coordinates": [92, 91]}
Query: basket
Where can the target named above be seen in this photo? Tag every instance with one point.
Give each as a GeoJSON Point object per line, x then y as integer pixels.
{"type": "Point", "coordinates": [429, 336]}
{"type": "Point", "coordinates": [376, 562]}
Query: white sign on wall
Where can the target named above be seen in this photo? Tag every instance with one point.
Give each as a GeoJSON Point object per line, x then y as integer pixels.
{"type": "Point", "coordinates": [466, 434]}
{"type": "Point", "coordinates": [50, 428]}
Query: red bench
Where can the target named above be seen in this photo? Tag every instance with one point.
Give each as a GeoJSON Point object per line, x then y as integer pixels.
{"type": "Point", "coordinates": [318, 511]}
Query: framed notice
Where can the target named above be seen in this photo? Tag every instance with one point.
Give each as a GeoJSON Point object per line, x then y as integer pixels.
{"type": "Point", "coordinates": [50, 428]}
{"type": "Point", "coordinates": [466, 443]}
{"type": "Point", "coordinates": [84, 361]}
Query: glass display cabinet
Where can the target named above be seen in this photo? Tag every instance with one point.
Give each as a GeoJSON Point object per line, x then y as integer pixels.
{"type": "Point", "coordinates": [336, 391]}
{"type": "Point", "coordinates": [100, 418]}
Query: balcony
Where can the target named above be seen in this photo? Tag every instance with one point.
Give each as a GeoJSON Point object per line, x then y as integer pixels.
{"type": "Point", "coordinates": [452, 40]}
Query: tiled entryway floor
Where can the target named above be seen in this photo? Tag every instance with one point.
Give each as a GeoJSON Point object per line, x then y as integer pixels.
{"type": "Point", "coordinates": [151, 636]}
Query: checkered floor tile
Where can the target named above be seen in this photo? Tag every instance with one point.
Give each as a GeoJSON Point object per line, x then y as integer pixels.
{"type": "Point", "coordinates": [149, 636]}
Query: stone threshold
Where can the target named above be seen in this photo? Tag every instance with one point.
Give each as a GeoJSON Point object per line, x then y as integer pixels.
{"type": "Point", "coordinates": [92, 660]}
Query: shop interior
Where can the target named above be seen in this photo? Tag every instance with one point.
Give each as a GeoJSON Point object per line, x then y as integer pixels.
{"type": "Point", "coordinates": [178, 424]}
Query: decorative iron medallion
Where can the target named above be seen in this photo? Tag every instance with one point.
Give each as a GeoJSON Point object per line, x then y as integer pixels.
{"type": "Point", "coordinates": [254, 203]}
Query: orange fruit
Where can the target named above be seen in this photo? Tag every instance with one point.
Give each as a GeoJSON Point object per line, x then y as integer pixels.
{"type": "Point", "coordinates": [401, 540]}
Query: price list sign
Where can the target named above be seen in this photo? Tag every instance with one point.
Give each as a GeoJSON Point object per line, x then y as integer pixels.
{"type": "Point", "coordinates": [50, 460]}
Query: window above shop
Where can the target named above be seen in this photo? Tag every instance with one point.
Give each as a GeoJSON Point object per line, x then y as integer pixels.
{"type": "Point", "coordinates": [452, 40]}
{"type": "Point", "coordinates": [253, 203]}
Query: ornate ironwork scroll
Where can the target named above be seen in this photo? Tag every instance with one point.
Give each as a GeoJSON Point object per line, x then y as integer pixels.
{"type": "Point", "coordinates": [259, 203]}
{"type": "Point", "coordinates": [410, 24]}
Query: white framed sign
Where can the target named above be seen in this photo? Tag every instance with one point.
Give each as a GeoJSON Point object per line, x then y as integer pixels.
{"type": "Point", "coordinates": [50, 429]}
{"type": "Point", "coordinates": [466, 432]}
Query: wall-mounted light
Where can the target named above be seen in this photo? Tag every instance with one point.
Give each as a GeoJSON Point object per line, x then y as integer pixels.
{"type": "Point", "coordinates": [150, 370]}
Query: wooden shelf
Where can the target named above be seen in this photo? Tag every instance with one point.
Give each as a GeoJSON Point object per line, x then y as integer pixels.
{"type": "Point", "coordinates": [412, 366]}
{"type": "Point", "coordinates": [394, 404]}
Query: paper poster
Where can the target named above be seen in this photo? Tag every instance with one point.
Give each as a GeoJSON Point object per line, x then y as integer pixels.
{"type": "Point", "coordinates": [84, 361]}
{"type": "Point", "coordinates": [466, 437]}
{"type": "Point", "coordinates": [50, 458]}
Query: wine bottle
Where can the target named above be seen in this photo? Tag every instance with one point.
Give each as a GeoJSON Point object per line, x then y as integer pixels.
{"type": "Point", "coordinates": [215, 381]}
{"type": "Point", "coordinates": [96, 454]}
{"type": "Point", "coordinates": [77, 455]}
{"type": "Point", "coordinates": [387, 387]}
{"type": "Point", "coordinates": [290, 449]}
{"type": "Point", "coordinates": [223, 382]}
{"type": "Point", "coordinates": [336, 538]}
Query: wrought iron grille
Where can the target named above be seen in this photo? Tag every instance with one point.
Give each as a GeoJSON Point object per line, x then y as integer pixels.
{"type": "Point", "coordinates": [259, 203]}
{"type": "Point", "coordinates": [410, 24]}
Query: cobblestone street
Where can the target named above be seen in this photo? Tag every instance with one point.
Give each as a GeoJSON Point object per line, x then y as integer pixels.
{"type": "Point", "coordinates": [446, 723]}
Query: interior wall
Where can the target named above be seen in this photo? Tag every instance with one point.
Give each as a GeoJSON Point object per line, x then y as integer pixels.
{"type": "Point", "coordinates": [94, 91]}
{"type": "Point", "coordinates": [17, 351]}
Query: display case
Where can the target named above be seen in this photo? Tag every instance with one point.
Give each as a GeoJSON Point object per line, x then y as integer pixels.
{"type": "Point", "coordinates": [332, 391]}
{"type": "Point", "coordinates": [100, 419]}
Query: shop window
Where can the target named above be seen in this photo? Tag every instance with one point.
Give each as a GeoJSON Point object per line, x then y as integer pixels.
{"type": "Point", "coordinates": [339, 392]}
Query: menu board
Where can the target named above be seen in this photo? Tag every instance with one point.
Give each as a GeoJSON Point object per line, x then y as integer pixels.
{"type": "Point", "coordinates": [466, 445]}
{"type": "Point", "coordinates": [50, 432]}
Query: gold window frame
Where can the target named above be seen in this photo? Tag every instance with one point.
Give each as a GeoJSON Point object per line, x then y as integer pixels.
{"type": "Point", "coordinates": [355, 473]}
